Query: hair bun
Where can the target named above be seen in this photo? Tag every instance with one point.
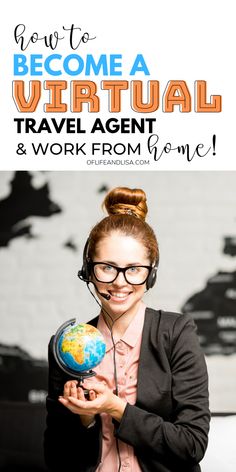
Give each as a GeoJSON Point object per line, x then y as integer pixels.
{"type": "Point", "coordinates": [126, 201]}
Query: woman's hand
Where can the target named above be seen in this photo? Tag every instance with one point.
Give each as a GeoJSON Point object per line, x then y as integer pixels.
{"type": "Point", "coordinates": [71, 390]}
{"type": "Point", "coordinates": [102, 400]}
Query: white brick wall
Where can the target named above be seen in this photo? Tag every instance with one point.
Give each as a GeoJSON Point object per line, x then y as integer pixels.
{"type": "Point", "coordinates": [39, 289]}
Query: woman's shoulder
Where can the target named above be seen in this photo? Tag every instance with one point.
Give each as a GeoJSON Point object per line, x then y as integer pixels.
{"type": "Point", "coordinates": [171, 331]}
{"type": "Point", "coordinates": [169, 320]}
{"type": "Point", "coordinates": [165, 314]}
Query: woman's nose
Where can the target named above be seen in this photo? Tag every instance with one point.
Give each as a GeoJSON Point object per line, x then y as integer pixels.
{"type": "Point", "coordinates": [120, 279]}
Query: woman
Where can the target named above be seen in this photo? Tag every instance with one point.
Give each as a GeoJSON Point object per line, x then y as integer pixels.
{"type": "Point", "coordinates": [148, 404]}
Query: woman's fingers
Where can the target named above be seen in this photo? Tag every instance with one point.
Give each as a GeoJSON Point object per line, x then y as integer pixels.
{"type": "Point", "coordinates": [75, 405]}
{"type": "Point", "coordinates": [68, 404]}
{"type": "Point", "coordinates": [80, 394]}
{"type": "Point", "coordinates": [82, 405]}
{"type": "Point", "coordinates": [97, 387]}
{"type": "Point", "coordinates": [73, 390]}
{"type": "Point", "coordinates": [75, 400]}
{"type": "Point", "coordinates": [70, 389]}
{"type": "Point", "coordinates": [92, 395]}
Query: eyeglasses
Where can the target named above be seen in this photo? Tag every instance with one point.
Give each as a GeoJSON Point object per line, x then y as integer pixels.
{"type": "Point", "coordinates": [107, 273]}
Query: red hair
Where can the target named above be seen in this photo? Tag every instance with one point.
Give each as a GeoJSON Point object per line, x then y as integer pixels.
{"type": "Point", "coordinates": [127, 210]}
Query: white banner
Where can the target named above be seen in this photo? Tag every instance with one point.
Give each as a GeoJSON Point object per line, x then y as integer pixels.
{"type": "Point", "coordinates": [125, 86]}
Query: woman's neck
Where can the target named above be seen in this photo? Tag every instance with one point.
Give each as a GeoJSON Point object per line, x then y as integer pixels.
{"type": "Point", "coordinates": [120, 323]}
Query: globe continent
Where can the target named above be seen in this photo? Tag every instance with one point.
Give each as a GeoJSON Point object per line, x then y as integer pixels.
{"type": "Point", "coordinates": [81, 347]}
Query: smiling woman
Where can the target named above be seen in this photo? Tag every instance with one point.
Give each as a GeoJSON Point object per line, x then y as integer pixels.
{"type": "Point", "coordinates": [148, 407]}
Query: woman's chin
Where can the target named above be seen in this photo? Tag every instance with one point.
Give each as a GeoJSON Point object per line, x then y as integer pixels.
{"type": "Point", "coordinates": [119, 306]}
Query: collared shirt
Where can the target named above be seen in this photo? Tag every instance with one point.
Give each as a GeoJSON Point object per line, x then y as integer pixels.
{"type": "Point", "coordinates": [127, 352]}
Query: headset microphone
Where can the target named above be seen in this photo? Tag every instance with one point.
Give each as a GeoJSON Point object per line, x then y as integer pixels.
{"type": "Point", "coordinates": [104, 295]}
{"type": "Point", "coordinates": [82, 276]}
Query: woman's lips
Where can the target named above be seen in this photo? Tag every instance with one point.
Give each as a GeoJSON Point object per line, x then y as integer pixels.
{"type": "Point", "coordinates": [119, 296]}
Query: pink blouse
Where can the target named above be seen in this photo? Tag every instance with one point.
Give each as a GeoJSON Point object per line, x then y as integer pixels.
{"type": "Point", "coordinates": [127, 359]}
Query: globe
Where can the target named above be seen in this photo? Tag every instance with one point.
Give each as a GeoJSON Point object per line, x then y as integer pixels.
{"type": "Point", "coordinates": [78, 348]}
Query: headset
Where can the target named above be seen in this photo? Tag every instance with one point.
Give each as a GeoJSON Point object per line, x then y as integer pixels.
{"type": "Point", "coordinates": [85, 272]}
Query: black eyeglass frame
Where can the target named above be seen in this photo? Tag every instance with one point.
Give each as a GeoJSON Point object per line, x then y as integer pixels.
{"type": "Point", "coordinates": [119, 269]}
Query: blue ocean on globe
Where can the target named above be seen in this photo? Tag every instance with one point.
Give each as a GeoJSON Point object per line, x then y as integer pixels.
{"type": "Point", "coordinates": [81, 347]}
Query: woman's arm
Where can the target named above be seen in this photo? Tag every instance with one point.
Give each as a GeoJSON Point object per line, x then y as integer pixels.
{"type": "Point", "coordinates": [184, 437]}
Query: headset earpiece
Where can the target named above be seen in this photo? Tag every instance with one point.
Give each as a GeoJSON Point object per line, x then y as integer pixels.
{"type": "Point", "coordinates": [84, 272]}
{"type": "Point", "coordinates": [151, 280]}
